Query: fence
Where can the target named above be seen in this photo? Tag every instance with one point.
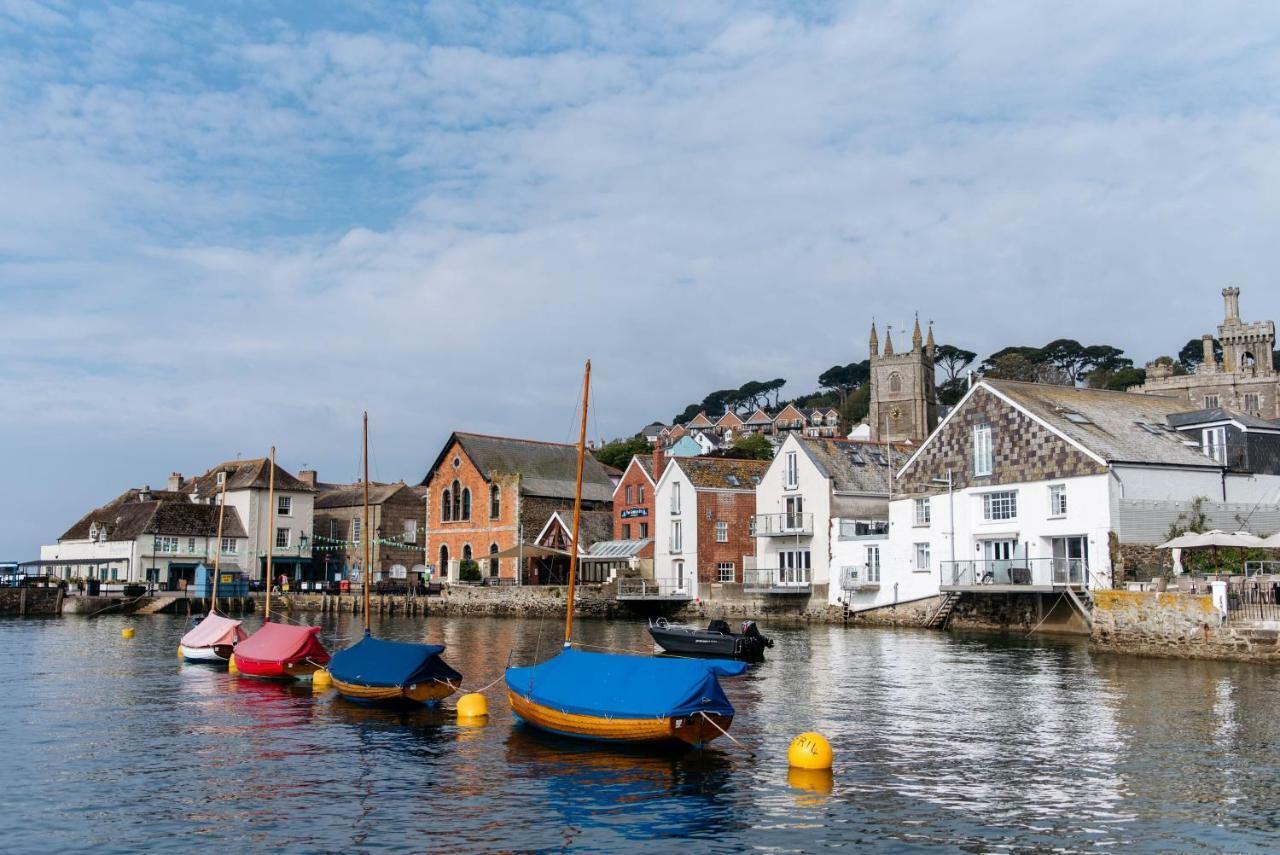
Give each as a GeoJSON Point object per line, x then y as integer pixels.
{"type": "Point", "coordinates": [1015, 571]}
{"type": "Point", "coordinates": [1253, 600]}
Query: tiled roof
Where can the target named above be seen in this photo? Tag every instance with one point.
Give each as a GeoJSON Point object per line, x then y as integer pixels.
{"type": "Point", "coordinates": [546, 469]}
{"type": "Point", "coordinates": [722, 473]}
{"type": "Point", "coordinates": [352, 495]}
{"type": "Point", "coordinates": [127, 516]}
{"type": "Point", "coordinates": [1221, 414]}
{"type": "Point", "coordinates": [729, 418]}
{"type": "Point", "coordinates": [1119, 427]}
{"type": "Point", "coordinates": [242, 475]}
{"type": "Point", "coordinates": [854, 466]}
{"type": "Point", "coordinates": [700, 421]}
{"type": "Point", "coordinates": [760, 417]}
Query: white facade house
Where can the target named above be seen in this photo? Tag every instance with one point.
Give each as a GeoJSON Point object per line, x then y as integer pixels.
{"type": "Point", "coordinates": [1032, 487]}
{"type": "Point", "coordinates": [818, 508]}
{"type": "Point", "coordinates": [675, 539]}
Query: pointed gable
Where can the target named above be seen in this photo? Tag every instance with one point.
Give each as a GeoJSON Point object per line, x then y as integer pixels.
{"type": "Point", "coordinates": [729, 420]}
{"type": "Point", "coordinates": [790, 413]}
{"type": "Point", "coordinates": [700, 421]}
{"type": "Point", "coordinates": [760, 417]}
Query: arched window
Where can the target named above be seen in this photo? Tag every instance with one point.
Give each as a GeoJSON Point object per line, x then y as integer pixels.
{"type": "Point", "coordinates": [446, 506]}
{"type": "Point", "coordinates": [493, 562]}
{"type": "Point", "coordinates": [495, 502]}
{"type": "Point", "coordinates": [895, 382]}
{"type": "Point", "coordinates": [1247, 361]}
{"type": "Point", "coordinates": [444, 559]}
{"type": "Point", "coordinates": [457, 499]}
{"type": "Point", "coordinates": [466, 552]}
{"type": "Point", "coordinates": [466, 503]}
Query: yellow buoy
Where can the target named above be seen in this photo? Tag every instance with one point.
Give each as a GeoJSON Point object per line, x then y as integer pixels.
{"type": "Point", "coordinates": [816, 781]}
{"type": "Point", "coordinates": [179, 651]}
{"type": "Point", "coordinates": [231, 665]}
{"type": "Point", "coordinates": [127, 632]}
{"type": "Point", "coordinates": [473, 705]}
{"type": "Point", "coordinates": [810, 751]}
{"type": "Point", "coordinates": [321, 680]}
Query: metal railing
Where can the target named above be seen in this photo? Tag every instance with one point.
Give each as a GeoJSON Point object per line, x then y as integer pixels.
{"type": "Point", "coordinates": [1015, 571]}
{"type": "Point", "coordinates": [1253, 600]}
{"type": "Point", "coordinates": [645, 589]}
{"type": "Point", "coordinates": [859, 529]}
{"type": "Point", "coordinates": [860, 578]}
{"type": "Point", "coordinates": [1262, 568]}
{"type": "Point", "coordinates": [779, 525]}
{"type": "Point", "coordinates": [782, 580]}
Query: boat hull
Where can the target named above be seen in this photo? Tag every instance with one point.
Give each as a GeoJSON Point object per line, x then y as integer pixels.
{"type": "Point", "coordinates": [217, 654]}
{"type": "Point", "coordinates": [428, 692]}
{"type": "Point", "coordinates": [260, 669]}
{"type": "Point", "coordinates": [709, 643]}
{"type": "Point", "coordinates": [696, 730]}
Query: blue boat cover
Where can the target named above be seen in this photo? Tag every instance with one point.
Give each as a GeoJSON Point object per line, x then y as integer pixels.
{"type": "Point", "coordinates": [374, 662]}
{"type": "Point", "coordinates": [623, 686]}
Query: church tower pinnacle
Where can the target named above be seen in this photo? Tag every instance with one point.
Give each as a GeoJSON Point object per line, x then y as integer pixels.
{"type": "Point", "coordinates": [875, 340]}
{"type": "Point", "coordinates": [916, 338]}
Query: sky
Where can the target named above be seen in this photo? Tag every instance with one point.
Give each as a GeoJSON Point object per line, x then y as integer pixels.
{"type": "Point", "coordinates": [230, 225]}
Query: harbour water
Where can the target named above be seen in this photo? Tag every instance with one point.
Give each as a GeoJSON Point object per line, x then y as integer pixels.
{"type": "Point", "coordinates": [967, 743]}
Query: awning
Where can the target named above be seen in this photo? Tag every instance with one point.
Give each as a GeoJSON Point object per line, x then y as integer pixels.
{"type": "Point", "coordinates": [528, 550]}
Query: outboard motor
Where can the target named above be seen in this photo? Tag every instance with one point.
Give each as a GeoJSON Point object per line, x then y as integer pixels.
{"type": "Point", "coordinates": [750, 630]}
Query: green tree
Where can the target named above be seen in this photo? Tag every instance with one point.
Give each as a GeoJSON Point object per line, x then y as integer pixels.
{"type": "Point", "coordinates": [1118, 380]}
{"type": "Point", "coordinates": [618, 453]}
{"type": "Point", "coordinates": [1011, 364]}
{"type": "Point", "coordinates": [753, 446]}
{"type": "Point", "coordinates": [686, 414]}
{"type": "Point", "coordinates": [843, 379]}
{"type": "Point", "coordinates": [1192, 354]}
{"type": "Point", "coordinates": [953, 360]}
{"type": "Point", "coordinates": [951, 391]}
{"type": "Point", "coordinates": [857, 405]}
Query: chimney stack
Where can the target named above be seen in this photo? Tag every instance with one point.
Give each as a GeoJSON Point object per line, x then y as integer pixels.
{"type": "Point", "coordinates": [659, 459]}
{"type": "Point", "coordinates": [308, 477]}
{"type": "Point", "coordinates": [1210, 361]}
{"type": "Point", "coordinates": [175, 482]}
{"type": "Point", "coordinates": [144, 495]}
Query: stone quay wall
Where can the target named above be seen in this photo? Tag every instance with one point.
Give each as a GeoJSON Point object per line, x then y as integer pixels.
{"type": "Point", "coordinates": [1177, 625]}
{"type": "Point", "coordinates": [913, 613]}
{"type": "Point", "coordinates": [30, 601]}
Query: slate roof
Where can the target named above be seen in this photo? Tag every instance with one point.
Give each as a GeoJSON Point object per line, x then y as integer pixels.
{"type": "Point", "coordinates": [700, 421]}
{"type": "Point", "coordinates": [1109, 424]}
{"type": "Point", "coordinates": [855, 466]}
{"type": "Point", "coordinates": [760, 417]}
{"type": "Point", "coordinates": [352, 495]}
{"type": "Point", "coordinates": [1220, 414]}
{"type": "Point", "coordinates": [729, 418]}
{"type": "Point", "coordinates": [546, 469]}
{"type": "Point", "coordinates": [126, 517]}
{"type": "Point", "coordinates": [243, 475]}
{"type": "Point", "coordinates": [722, 473]}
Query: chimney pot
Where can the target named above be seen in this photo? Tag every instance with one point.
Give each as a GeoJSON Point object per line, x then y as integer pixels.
{"type": "Point", "coordinates": [308, 477]}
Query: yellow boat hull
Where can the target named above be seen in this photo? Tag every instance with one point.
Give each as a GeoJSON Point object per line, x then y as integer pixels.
{"type": "Point", "coordinates": [693, 730]}
{"type": "Point", "coordinates": [428, 692]}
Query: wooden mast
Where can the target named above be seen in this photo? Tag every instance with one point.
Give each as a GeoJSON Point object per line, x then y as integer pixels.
{"type": "Point", "coordinates": [217, 549]}
{"type": "Point", "coordinates": [271, 528]}
{"type": "Point", "coordinates": [368, 552]}
{"type": "Point", "coordinates": [577, 508]}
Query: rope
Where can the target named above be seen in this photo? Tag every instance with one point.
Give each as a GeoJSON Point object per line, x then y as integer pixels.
{"type": "Point", "coordinates": [637, 652]}
{"type": "Point", "coordinates": [727, 733]}
{"type": "Point", "coordinates": [1046, 614]}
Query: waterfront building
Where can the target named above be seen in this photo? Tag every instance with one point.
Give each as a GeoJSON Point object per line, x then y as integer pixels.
{"type": "Point", "coordinates": [702, 524]}
{"type": "Point", "coordinates": [685, 446]}
{"type": "Point", "coordinates": [904, 402]}
{"type": "Point", "coordinates": [489, 494]}
{"type": "Point", "coordinates": [247, 483]}
{"type": "Point", "coordinates": [821, 507]}
{"type": "Point", "coordinates": [146, 536]}
{"type": "Point", "coordinates": [729, 425]}
{"type": "Point", "coordinates": [1041, 488]}
{"type": "Point", "coordinates": [397, 518]}
{"type": "Point", "coordinates": [1245, 380]}
{"type": "Point", "coordinates": [633, 497]}
{"type": "Point", "coordinates": [758, 422]}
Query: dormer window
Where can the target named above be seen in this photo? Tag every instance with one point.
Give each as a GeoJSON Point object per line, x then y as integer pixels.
{"type": "Point", "coordinates": [222, 478]}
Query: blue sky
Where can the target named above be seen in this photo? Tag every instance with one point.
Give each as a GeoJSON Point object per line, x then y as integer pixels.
{"type": "Point", "coordinates": [224, 228]}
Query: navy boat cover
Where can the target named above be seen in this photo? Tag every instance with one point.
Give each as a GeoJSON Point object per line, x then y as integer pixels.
{"type": "Point", "coordinates": [624, 686]}
{"type": "Point", "coordinates": [374, 662]}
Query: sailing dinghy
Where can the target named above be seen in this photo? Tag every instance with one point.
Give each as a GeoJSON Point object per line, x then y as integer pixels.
{"type": "Point", "coordinates": [388, 672]}
{"type": "Point", "coordinates": [279, 651]}
{"type": "Point", "coordinates": [214, 638]}
{"type": "Point", "coordinates": [616, 697]}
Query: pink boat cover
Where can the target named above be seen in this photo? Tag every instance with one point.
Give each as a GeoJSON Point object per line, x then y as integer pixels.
{"type": "Point", "coordinates": [281, 642]}
{"type": "Point", "coordinates": [214, 629]}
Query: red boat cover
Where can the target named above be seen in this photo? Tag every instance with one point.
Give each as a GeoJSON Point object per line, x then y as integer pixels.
{"type": "Point", "coordinates": [278, 643]}
{"type": "Point", "coordinates": [214, 629]}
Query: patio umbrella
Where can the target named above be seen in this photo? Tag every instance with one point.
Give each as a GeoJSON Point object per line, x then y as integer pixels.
{"type": "Point", "coordinates": [1214, 539]}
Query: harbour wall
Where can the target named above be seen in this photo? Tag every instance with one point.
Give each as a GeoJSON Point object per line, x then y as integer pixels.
{"type": "Point", "coordinates": [30, 601]}
{"type": "Point", "coordinates": [1179, 626]}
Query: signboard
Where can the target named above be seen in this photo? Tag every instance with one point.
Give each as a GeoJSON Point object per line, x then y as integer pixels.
{"type": "Point", "coordinates": [398, 571]}
{"type": "Point", "coordinates": [631, 513]}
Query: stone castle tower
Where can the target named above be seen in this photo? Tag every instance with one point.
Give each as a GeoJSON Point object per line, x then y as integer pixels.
{"type": "Point", "coordinates": [904, 403]}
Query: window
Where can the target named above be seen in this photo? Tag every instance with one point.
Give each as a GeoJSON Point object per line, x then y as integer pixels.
{"type": "Point", "coordinates": [1214, 443]}
{"type": "Point", "coordinates": [493, 562]}
{"type": "Point", "coordinates": [630, 495]}
{"type": "Point", "coordinates": [922, 556]}
{"type": "Point", "coordinates": [722, 532]}
{"type": "Point", "coordinates": [675, 497]}
{"type": "Point", "coordinates": [644, 530]}
{"type": "Point", "coordinates": [228, 546]}
{"type": "Point", "coordinates": [282, 538]}
{"type": "Point", "coordinates": [1057, 500]}
{"type": "Point", "coordinates": [1000, 506]}
{"type": "Point", "coordinates": [1252, 403]}
{"type": "Point", "coordinates": [751, 526]}
{"type": "Point", "coordinates": [724, 572]}
{"type": "Point", "coordinates": [794, 518]}
{"type": "Point", "coordinates": [495, 501]}
{"type": "Point", "coordinates": [982, 450]}
{"type": "Point", "coordinates": [410, 531]}
{"type": "Point", "coordinates": [466, 552]}
{"type": "Point", "coordinates": [626, 531]}
{"type": "Point", "coordinates": [1211, 402]}
{"type": "Point", "coordinates": [895, 382]}
{"type": "Point", "coordinates": [873, 564]}
{"type": "Point", "coordinates": [191, 544]}
{"type": "Point", "coordinates": [640, 495]}
{"type": "Point", "coordinates": [923, 511]}
{"type": "Point", "coordinates": [792, 475]}
{"type": "Point", "coordinates": [677, 537]}
{"type": "Point", "coordinates": [284, 506]}
{"type": "Point", "coordinates": [355, 530]}
{"type": "Point", "coordinates": [444, 559]}
{"type": "Point", "coordinates": [221, 479]}
{"type": "Point", "coordinates": [793, 567]}
{"type": "Point", "coordinates": [466, 504]}
{"type": "Point", "coordinates": [166, 544]}
{"type": "Point", "coordinates": [446, 506]}
{"type": "Point", "coordinates": [456, 490]}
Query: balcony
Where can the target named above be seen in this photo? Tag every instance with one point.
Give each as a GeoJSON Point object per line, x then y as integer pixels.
{"type": "Point", "coordinates": [783, 581]}
{"type": "Point", "coordinates": [782, 525]}
{"type": "Point", "coordinates": [1014, 575]}
{"type": "Point", "coordinates": [863, 529]}
{"type": "Point", "coordinates": [646, 589]}
{"type": "Point", "coordinates": [859, 578]}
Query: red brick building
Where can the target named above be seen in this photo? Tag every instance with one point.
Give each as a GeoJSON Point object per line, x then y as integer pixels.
{"type": "Point", "coordinates": [488, 494]}
{"type": "Point", "coordinates": [633, 498]}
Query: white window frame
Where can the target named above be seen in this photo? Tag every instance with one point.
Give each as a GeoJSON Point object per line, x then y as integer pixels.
{"type": "Point", "coordinates": [356, 526]}
{"type": "Point", "coordinates": [983, 461]}
{"type": "Point", "coordinates": [677, 537]}
{"type": "Point", "coordinates": [284, 506]}
{"type": "Point", "coordinates": [922, 557]}
{"type": "Point", "coordinates": [1254, 399]}
{"type": "Point", "coordinates": [924, 512]}
{"type": "Point", "coordinates": [1213, 441]}
{"type": "Point", "coordinates": [410, 530]}
{"type": "Point", "coordinates": [722, 531]}
{"type": "Point", "coordinates": [288, 538]}
{"type": "Point", "coordinates": [675, 497]}
{"type": "Point", "coordinates": [191, 544]}
{"type": "Point", "coordinates": [725, 567]}
{"type": "Point", "coordinates": [1000, 506]}
{"type": "Point", "coordinates": [873, 564]}
{"type": "Point", "coordinates": [166, 544]}
{"type": "Point", "coordinates": [229, 546]}
{"type": "Point", "coordinates": [791, 471]}
{"type": "Point", "coordinates": [1057, 500]}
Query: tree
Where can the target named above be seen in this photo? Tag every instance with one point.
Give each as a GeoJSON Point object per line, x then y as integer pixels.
{"type": "Point", "coordinates": [1011, 365]}
{"type": "Point", "coordinates": [1067, 355]}
{"type": "Point", "coordinates": [1192, 354]}
{"type": "Point", "coordinates": [843, 379]}
{"type": "Point", "coordinates": [953, 360]}
{"type": "Point", "coordinates": [618, 453]}
{"type": "Point", "coordinates": [951, 391]}
{"type": "Point", "coordinates": [773, 387]}
{"type": "Point", "coordinates": [717, 402]}
{"type": "Point", "coordinates": [1118, 380]}
{"type": "Point", "coordinates": [688, 413]}
{"type": "Point", "coordinates": [857, 405]}
{"type": "Point", "coordinates": [1174, 365]}
{"type": "Point", "coordinates": [753, 446]}
{"type": "Point", "coordinates": [751, 392]}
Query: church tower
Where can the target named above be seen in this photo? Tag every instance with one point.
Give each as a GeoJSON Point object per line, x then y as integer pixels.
{"type": "Point", "coordinates": [904, 402]}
